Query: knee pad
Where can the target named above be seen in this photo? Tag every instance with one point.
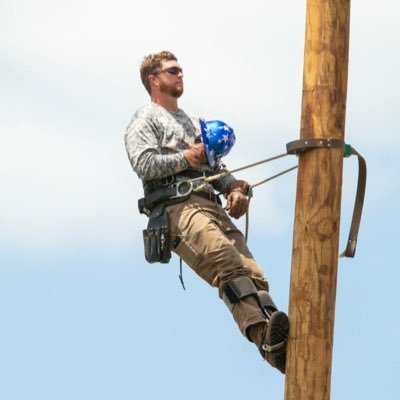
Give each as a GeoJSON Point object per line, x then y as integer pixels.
{"type": "Point", "coordinates": [237, 289]}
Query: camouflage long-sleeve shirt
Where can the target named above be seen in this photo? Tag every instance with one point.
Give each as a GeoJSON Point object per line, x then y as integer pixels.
{"type": "Point", "coordinates": [155, 140]}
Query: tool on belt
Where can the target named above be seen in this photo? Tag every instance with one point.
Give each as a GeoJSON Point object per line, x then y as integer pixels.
{"type": "Point", "coordinates": [157, 236]}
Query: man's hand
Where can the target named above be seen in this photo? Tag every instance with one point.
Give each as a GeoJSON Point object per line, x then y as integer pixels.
{"type": "Point", "coordinates": [237, 201]}
{"type": "Point", "coordinates": [195, 155]}
{"type": "Point", "coordinates": [237, 185]}
{"type": "Point", "coordinates": [236, 204]}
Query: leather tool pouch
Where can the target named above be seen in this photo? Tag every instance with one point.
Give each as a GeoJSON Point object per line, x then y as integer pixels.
{"type": "Point", "coordinates": [157, 238]}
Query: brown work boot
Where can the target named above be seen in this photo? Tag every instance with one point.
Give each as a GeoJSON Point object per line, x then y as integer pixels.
{"type": "Point", "coordinates": [271, 338]}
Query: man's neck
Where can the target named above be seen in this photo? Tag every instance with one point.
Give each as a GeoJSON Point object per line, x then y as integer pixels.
{"type": "Point", "coordinates": [167, 102]}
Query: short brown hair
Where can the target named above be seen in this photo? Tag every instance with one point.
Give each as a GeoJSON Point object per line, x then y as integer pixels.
{"type": "Point", "coordinates": [151, 64]}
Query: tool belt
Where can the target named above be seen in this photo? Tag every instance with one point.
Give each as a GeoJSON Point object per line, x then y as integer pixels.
{"type": "Point", "coordinates": [158, 195]}
{"type": "Point", "coordinates": [172, 194]}
{"type": "Point", "coordinates": [157, 236]}
{"type": "Point", "coordinates": [154, 184]}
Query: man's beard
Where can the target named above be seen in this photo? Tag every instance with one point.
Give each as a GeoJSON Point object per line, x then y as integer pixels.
{"type": "Point", "coordinates": [174, 91]}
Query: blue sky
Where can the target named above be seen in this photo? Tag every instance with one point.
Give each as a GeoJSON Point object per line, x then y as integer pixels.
{"type": "Point", "coordinates": [82, 314]}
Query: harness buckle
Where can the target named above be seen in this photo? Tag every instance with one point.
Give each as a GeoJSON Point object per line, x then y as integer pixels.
{"type": "Point", "coordinates": [183, 189]}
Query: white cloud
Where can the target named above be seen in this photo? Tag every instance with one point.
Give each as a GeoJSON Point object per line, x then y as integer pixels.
{"type": "Point", "coordinates": [70, 84]}
{"type": "Point", "coordinates": [64, 186]}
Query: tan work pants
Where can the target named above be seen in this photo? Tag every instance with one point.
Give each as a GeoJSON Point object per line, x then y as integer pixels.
{"type": "Point", "coordinates": [217, 251]}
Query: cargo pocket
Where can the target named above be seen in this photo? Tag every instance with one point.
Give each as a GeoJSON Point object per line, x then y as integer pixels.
{"type": "Point", "coordinates": [186, 251]}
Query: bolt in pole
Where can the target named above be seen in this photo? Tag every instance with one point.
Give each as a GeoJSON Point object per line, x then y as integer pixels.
{"type": "Point", "coordinates": [318, 199]}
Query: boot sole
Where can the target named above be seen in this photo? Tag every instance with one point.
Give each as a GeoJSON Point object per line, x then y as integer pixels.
{"type": "Point", "coordinates": [277, 332]}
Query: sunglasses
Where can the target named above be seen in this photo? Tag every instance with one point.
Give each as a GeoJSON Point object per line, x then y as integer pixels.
{"type": "Point", "coordinates": [172, 70]}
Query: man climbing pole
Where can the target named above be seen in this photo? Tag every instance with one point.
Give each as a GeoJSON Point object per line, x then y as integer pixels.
{"type": "Point", "coordinates": [170, 152]}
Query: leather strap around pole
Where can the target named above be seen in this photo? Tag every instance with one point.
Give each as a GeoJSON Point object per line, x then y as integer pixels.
{"type": "Point", "coordinates": [358, 206]}
{"type": "Point", "coordinates": [302, 145]}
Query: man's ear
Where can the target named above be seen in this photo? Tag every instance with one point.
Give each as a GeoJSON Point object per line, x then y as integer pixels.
{"type": "Point", "coordinates": [153, 80]}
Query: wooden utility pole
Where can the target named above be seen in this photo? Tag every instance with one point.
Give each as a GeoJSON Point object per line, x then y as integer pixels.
{"type": "Point", "coordinates": [318, 200]}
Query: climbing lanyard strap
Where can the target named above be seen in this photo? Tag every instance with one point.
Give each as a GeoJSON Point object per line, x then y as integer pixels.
{"type": "Point", "coordinates": [300, 146]}
{"type": "Point", "coordinates": [358, 206]}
